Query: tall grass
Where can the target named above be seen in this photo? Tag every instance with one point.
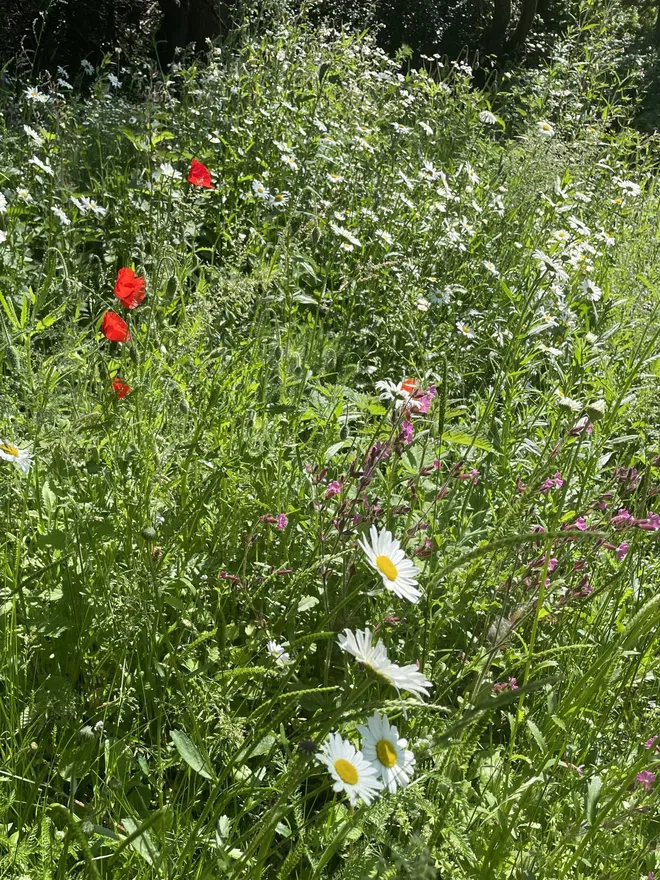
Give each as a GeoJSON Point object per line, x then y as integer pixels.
{"type": "Point", "coordinates": [366, 224]}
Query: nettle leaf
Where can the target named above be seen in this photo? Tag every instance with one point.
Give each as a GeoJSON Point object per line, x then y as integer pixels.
{"type": "Point", "coordinates": [191, 754]}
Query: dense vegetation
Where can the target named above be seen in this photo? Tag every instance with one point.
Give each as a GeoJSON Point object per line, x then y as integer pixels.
{"type": "Point", "coordinates": [350, 294]}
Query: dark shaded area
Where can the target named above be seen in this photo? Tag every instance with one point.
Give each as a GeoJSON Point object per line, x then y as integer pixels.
{"type": "Point", "coordinates": [45, 33]}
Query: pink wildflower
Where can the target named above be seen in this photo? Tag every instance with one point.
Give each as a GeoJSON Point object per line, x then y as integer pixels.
{"type": "Point", "coordinates": [580, 523]}
{"type": "Point", "coordinates": [559, 480]}
{"type": "Point", "coordinates": [645, 779]}
{"type": "Point", "coordinates": [650, 742]}
{"type": "Point", "coordinates": [552, 564]}
{"type": "Point", "coordinates": [621, 550]}
{"type": "Point", "coordinates": [282, 521]}
{"type": "Point", "coordinates": [513, 684]}
{"type": "Point", "coordinates": [407, 432]}
{"type": "Point", "coordinates": [622, 519]}
{"type": "Point", "coordinates": [334, 488]}
{"type": "Point", "coordinates": [651, 523]}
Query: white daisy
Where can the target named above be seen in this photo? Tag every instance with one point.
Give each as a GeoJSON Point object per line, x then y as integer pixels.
{"type": "Point", "coordinates": [277, 652]}
{"type": "Point", "coordinates": [349, 769]}
{"type": "Point", "coordinates": [3, 236]}
{"type": "Point", "coordinates": [387, 752]}
{"type": "Point", "coordinates": [168, 171]}
{"type": "Point", "coordinates": [260, 190]}
{"type": "Point", "coordinates": [492, 268]}
{"type": "Point", "coordinates": [290, 161]}
{"type": "Point", "coordinates": [400, 392]}
{"type": "Point", "coordinates": [45, 166]}
{"type": "Point", "coordinates": [465, 329]}
{"type": "Point", "coordinates": [33, 94]}
{"type": "Point", "coordinates": [61, 216]}
{"type": "Point", "coordinates": [374, 657]}
{"type": "Point", "coordinates": [279, 200]}
{"type": "Point", "coordinates": [114, 82]}
{"type": "Point", "coordinates": [20, 457]}
{"type": "Point", "coordinates": [397, 571]}
{"type": "Point", "coordinates": [423, 304]}
{"type": "Point", "coordinates": [31, 133]}
{"type": "Point", "coordinates": [65, 84]}
{"type": "Point", "coordinates": [87, 67]}
{"type": "Point", "coordinates": [487, 117]}
{"type": "Point", "coordinates": [544, 129]}
{"type": "Point", "coordinates": [3, 203]}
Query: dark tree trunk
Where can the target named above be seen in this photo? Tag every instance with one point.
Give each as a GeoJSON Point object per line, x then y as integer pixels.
{"type": "Point", "coordinates": [524, 26]}
{"type": "Point", "coordinates": [495, 35]}
{"type": "Point", "coordinates": [190, 21]}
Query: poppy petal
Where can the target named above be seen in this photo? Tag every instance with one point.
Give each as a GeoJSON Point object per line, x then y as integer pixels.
{"type": "Point", "coordinates": [115, 328]}
{"type": "Point", "coordinates": [129, 288]}
{"type": "Point", "coordinates": [120, 387]}
{"type": "Point", "coordinates": [199, 175]}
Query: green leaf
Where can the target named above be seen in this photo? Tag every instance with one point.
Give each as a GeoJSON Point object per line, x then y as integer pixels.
{"type": "Point", "coordinates": [591, 798]}
{"type": "Point", "coordinates": [462, 438]}
{"type": "Point", "coordinates": [142, 842]}
{"type": "Point", "coordinates": [538, 736]}
{"type": "Point", "coordinates": [191, 754]}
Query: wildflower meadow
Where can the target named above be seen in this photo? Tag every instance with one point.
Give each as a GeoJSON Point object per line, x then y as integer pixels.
{"type": "Point", "coordinates": [330, 466]}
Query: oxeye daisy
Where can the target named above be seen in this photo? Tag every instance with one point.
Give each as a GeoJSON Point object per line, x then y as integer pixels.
{"type": "Point", "coordinates": [260, 190]}
{"type": "Point", "coordinates": [397, 571]}
{"type": "Point", "coordinates": [387, 752]}
{"type": "Point", "coordinates": [465, 329]}
{"type": "Point", "coordinates": [20, 457]}
{"type": "Point", "coordinates": [374, 657]}
{"type": "Point", "coordinates": [349, 769]}
{"type": "Point", "coordinates": [544, 129]}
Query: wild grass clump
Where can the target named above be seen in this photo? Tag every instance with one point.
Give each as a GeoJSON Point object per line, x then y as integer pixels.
{"type": "Point", "coordinates": [329, 422]}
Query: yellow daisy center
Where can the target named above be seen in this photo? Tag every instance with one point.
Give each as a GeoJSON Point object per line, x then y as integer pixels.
{"type": "Point", "coordinates": [387, 567]}
{"type": "Point", "coordinates": [385, 752]}
{"type": "Point", "coordinates": [346, 771]}
{"type": "Point", "coordinates": [9, 449]}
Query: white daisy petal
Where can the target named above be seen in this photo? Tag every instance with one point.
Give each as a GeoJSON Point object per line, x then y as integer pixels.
{"type": "Point", "coordinates": [387, 752]}
{"type": "Point", "coordinates": [20, 457]}
{"type": "Point", "coordinates": [396, 570]}
{"type": "Point", "coordinates": [349, 769]}
{"type": "Point", "coordinates": [374, 656]}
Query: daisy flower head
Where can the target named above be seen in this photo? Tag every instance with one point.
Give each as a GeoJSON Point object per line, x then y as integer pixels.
{"type": "Point", "coordinates": [277, 652]}
{"type": "Point", "coordinates": [3, 203]}
{"type": "Point", "coordinates": [401, 392]}
{"type": "Point", "coordinates": [33, 94]}
{"type": "Point", "coordinates": [487, 117]}
{"type": "Point", "coordinates": [45, 166]}
{"type": "Point", "coordinates": [260, 190]}
{"type": "Point", "coordinates": [351, 772]}
{"type": "Point", "coordinates": [388, 559]}
{"type": "Point", "coordinates": [87, 66]}
{"type": "Point", "coordinates": [20, 457]}
{"type": "Point", "coordinates": [31, 133]}
{"type": "Point", "coordinates": [465, 329]}
{"type": "Point", "coordinates": [61, 216]}
{"type": "Point", "coordinates": [289, 160]}
{"type": "Point", "coordinates": [374, 656]}
{"type": "Point", "coordinates": [491, 267]}
{"type": "Point", "coordinates": [280, 199]}
{"type": "Point", "coordinates": [544, 129]}
{"type": "Point", "coordinates": [3, 236]}
{"type": "Point", "coordinates": [387, 752]}
{"type": "Point", "coordinates": [114, 82]}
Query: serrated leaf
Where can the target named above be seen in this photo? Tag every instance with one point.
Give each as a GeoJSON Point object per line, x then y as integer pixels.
{"type": "Point", "coordinates": [538, 736]}
{"type": "Point", "coordinates": [191, 754]}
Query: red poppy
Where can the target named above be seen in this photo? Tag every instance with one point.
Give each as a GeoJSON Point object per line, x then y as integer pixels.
{"type": "Point", "coordinates": [129, 288]}
{"type": "Point", "coordinates": [120, 387]}
{"type": "Point", "coordinates": [199, 175]}
{"type": "Point", "coordinates": [115, 328]}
